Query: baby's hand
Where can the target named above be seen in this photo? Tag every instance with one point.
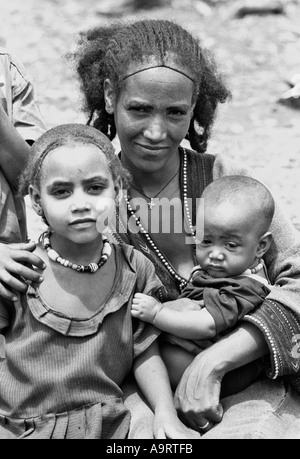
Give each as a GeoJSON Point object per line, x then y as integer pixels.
{"type": "Point", "coordinates": [145, 307]}
{"type": "Point", "coordinates": [171, 427]}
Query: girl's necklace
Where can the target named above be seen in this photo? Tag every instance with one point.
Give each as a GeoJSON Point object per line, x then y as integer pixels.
{"type": "Point", "coordinates": [182, 282]}
{"type": "Point", "coordinates": [90, 268]}
{"type": "Point", "coordinates": [152, 203]}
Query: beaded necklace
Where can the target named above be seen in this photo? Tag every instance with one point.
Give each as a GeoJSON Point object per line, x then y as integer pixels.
{"type": "Point", "coordinates": [254, 270]}
{"type": "Point", "coordinates": [90, 268]}
{"type": "Point", "coordinates": [182, 282]}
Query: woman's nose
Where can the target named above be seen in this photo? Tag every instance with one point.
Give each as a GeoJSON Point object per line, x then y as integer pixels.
{"type": "Point", "coordinates": [156, 131]}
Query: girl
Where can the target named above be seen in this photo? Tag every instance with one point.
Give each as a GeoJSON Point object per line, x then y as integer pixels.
{"type": "Point", "coordinates": [71, 341]}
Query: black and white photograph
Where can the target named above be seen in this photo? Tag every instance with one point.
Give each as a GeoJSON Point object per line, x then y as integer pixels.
{"type": "Point", "coordinates": [150, 222]}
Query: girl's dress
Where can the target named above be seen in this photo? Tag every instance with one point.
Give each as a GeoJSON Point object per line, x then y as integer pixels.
{"type": "Point", "coordinates": [61, 375]}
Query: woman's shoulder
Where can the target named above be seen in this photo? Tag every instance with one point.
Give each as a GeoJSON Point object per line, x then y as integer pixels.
{"type": "Point", "coordinates": [224, 165]}
{"type": "Point", "coordinates": [220, 163]}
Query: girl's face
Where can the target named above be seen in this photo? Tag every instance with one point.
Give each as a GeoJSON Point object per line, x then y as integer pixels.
{"type": "Point", "coordinates": [152, 116]}
{"type": "Point", "coordinates": [230, 244]}
{"type": "Point", "coordinates": [77, 192]}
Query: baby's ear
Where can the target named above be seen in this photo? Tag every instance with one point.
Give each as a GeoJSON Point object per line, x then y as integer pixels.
{"type": "Point", "coordinates": [264, 244]}
{"type": "Point", "coordinates": [35, 199]}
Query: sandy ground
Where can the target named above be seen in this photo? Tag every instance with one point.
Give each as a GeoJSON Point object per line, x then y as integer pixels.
{"type": "Point", "coordinates": [257, 54]}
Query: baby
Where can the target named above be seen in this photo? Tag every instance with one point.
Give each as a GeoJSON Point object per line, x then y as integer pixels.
{"type": "Point", "coordinates": [231, 279]}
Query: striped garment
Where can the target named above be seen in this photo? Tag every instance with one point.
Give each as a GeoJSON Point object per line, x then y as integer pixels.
{"type": "Point", "coordinates": [61, 376]}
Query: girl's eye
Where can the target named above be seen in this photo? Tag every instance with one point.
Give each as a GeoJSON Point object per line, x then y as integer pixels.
{"type": "Point", "coordinates": [95, 189]}
{"type": "Point", "coordinates": [61, 193]}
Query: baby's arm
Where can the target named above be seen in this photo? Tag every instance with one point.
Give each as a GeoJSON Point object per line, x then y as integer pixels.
{"type": "Point", "coordinates": [152, 378]}
{"type": "Point", "coordinates": [191, 324]}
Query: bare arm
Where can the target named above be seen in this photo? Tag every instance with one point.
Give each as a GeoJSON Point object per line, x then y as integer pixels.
{"type": "Point", "coordinates": [14, 150]}
{"type": "Point", "coordinates": [190, 322]}
{"type": "Point", "coordinates": [152, 377]}
{"type": "Point", "coordinates": [197, 396]}
{"type": "Point", "coordinates": [16, 262]}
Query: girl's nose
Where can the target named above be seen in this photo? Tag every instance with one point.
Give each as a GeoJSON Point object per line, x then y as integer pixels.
{"type": "Point", "coordinates": [80, 205]}
{"type": "Point", "coordinates": [156, 131]}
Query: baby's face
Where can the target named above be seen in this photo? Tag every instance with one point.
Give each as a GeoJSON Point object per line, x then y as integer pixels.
{"type": "Point", "coordinates": [77, 190]}
{"type": "Point", "coordinates": [230, 242]}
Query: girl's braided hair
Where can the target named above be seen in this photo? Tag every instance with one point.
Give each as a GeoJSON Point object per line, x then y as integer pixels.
{"type": "Point", "coordinates": [70, 135]}
{"type": "Point", "coordinates": [108, 51]}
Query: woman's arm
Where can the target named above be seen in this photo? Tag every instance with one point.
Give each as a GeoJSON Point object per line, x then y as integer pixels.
{"type": "Point", "coordinates": [152, 378]}
{"type": "Point", "coordinates": [197, 396]}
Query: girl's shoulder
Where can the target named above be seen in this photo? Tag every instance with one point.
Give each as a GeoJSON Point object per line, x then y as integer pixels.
{"type": "Point", "coordinates": [131, 255]}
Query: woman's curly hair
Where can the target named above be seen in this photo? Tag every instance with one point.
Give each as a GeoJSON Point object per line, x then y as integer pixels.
{"type": "Point", "coordinates": [108, 51]}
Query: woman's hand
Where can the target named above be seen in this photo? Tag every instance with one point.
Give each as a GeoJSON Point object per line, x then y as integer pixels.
{"type": "Point", "coordinates": [197, 397]}
{"type": "Point", "coordinates": [16, 272]}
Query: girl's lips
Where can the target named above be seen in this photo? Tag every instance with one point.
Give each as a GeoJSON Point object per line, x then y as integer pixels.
{"type": "Point", "coordinates": [83, 222]}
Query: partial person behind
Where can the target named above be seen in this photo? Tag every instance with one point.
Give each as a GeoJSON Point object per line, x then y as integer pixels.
{"type": "Point", "coordinates": [20, 125]}
{"type": "Point", "coordinates": [71, 341]}
{"type": "Point", "coordinates": [230, 281]}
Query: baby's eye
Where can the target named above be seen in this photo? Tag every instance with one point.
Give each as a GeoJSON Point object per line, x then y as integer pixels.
{"type": "Point", "coordinates": [231, 245]}
{"type": "Point", "coordinates": [205, 242]}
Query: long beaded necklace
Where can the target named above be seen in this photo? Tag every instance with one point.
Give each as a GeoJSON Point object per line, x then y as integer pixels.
{"type": "Point", "coordinates": [152, 202]}
{"type": "Point", "coordinates": [90, 268]}
{"type": "Point", "coordinates": [182, 282]}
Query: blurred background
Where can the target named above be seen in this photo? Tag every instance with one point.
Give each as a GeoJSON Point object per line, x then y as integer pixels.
{"type": "Point", "coordinates": [257, 46]}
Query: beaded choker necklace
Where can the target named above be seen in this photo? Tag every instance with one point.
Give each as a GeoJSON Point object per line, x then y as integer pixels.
{"type": "Point", "coordinates": [90, 268]}
{"type": "Point", "coordinates": [182, 282]}
{"type": "Point", "coordinates": [255, 270]}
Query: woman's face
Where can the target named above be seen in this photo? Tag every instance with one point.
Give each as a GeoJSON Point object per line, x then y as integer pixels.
{"type": "Point", "coordinates": [152, 116]}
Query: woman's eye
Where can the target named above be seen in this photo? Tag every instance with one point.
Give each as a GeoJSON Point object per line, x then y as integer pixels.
{"type": "Point", "coordinates": [177, 113]}
{"type": "Point", "coordinates": [138, 109]}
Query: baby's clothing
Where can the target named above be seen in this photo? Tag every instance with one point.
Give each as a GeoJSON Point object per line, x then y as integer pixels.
{"type": "Point", "coordinates": [226, 299]}
{"type": "Point", "coordinates": [61, 376]}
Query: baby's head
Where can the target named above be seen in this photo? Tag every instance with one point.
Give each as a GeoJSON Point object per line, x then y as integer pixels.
{"type": "Point", "coordinates": [238, 212]}
{"type": "Point", "coordinates": [73, 171]}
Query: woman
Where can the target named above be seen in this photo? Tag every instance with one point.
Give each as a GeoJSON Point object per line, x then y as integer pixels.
{"type": "Point", "coordinates": [151, 83]}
